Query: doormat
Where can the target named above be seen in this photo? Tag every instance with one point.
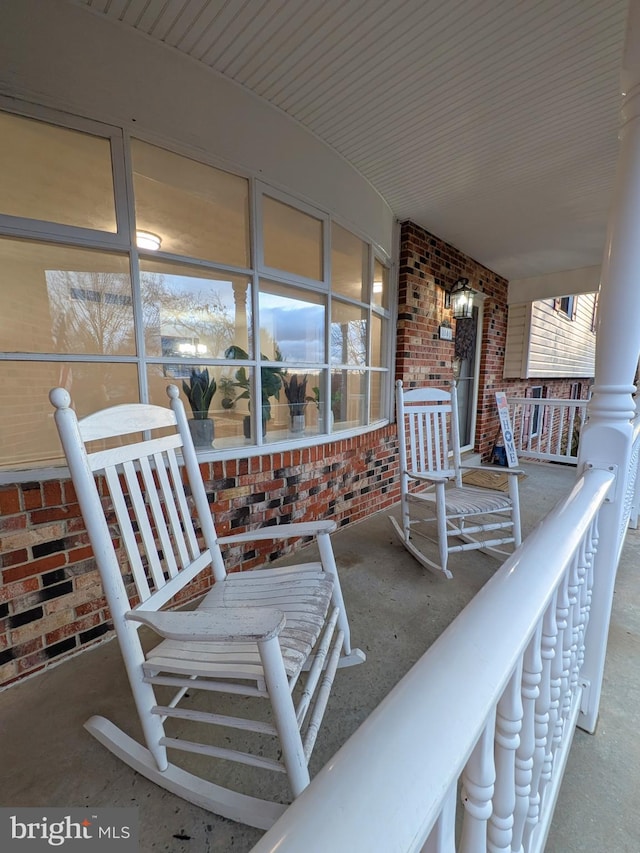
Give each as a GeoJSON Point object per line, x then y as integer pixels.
{"type": "Point", "coordinates": [489, 479]}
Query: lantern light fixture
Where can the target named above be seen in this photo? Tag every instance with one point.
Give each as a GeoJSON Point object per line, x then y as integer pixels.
{"type": "Point", "coordinates": [459, 298]}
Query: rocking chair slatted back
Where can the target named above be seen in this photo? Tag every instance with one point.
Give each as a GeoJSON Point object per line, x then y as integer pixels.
{"type": "Point", "coordinates": [432, 441]}
{"type": "Point", "coordinates": [145, 486]}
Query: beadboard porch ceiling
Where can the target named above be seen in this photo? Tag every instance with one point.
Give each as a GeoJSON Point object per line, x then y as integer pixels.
{"type": "Point", "coordinates": [491, 123]}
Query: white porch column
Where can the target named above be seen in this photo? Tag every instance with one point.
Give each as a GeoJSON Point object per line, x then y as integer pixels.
{"type": "Point", "coordinates": [606, 440]}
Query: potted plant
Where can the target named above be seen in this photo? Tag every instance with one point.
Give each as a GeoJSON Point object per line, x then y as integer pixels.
{"type": "Point", "coordinates": [271, 381]}
{"type": "Point", "coordinates": [295, 390]}
{"type": "Point", "coordinates": [227, 389]}
{"type": "Point", "coordinates": [199, 392]}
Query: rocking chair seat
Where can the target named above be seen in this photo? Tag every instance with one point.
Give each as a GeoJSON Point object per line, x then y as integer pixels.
{"type": "Point", "coordinates": [302, 593]}
{"type": "Point", "coordinates": [469, 501]}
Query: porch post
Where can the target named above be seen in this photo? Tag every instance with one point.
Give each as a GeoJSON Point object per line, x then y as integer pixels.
{"type": "Point", "coordinates": [606, 439]}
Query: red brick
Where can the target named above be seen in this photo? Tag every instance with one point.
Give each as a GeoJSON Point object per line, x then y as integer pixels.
{"type": "Point", "coordinates": [31, 495]}
{"type": "Point", "coordinates": [12, 522]}
{"type": "Point", "coordinates": [52, 493]}
{"type": "Point", "coordinates": [55, 513]}
{"type": "Point", "coordinates": [35, 567]}
{"type": "Point", "coordinates": [13, 558]}
{"type": "Point", "coordinates": [78, 554]}
{"type": "Point", "coordinates": [9, 500]}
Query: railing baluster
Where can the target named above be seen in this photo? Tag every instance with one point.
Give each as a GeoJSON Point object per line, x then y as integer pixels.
{"type": "Point", "coordinates": [478, 780]}
{"type": "Point", "coordinates": [563, 653]}
{"type": "Point", "coordinates": [555, 689]}
{"type": "Point", "coordinates": [507, 740]}
{"type": "Point", "coordinates": [531, 675]}
{"type": "Point", "coordinates": [542, 719]}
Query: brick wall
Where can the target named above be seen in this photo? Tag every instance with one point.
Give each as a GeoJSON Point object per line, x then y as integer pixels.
{"type": "Point", "coordinates": [51, 601]}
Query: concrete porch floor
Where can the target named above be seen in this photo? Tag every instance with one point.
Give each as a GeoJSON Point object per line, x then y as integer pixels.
{"type": "Point", "coordinates": [397, 609]}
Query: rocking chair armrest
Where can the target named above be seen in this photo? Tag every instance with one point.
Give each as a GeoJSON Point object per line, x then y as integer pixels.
{"type": "Point", "coordinates": [432, 476]}
{"type": "Point", "coordinates": [224, 624]}
{"type": "Point", "coordinates": [497, 469]}
{"type": "Point", "coordinates": [281, 531]}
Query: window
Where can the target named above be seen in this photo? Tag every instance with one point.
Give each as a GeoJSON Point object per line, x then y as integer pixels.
{"type": "Point", "coordinates": [566, 305]}
{"type": "Point", "coordinates": [285, 308]}
{"type": "Point", "coordinates": [575, 391]}
{"type": "Point", "coordinates": [535, 409]}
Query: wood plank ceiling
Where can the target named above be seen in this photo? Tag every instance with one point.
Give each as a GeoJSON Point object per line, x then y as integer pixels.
{"type": "Point", "coordinates": [492, 123]}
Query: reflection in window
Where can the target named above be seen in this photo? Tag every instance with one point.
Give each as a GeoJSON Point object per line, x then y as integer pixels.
{"type": "Point", "coordinates": [348, 334]}
{"type": "Point", "coordinates": [291, 323]}
{"type": "Point", "coordinates": [91, 312]}
{"type": "Point", "coordinates": [191, 314]}
{"type": "Point", "coordinates": [79, 300]}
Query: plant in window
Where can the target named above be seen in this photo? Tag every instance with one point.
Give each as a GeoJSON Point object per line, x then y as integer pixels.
{"type": "Point", "coordinates": [228, 391]}
{"type": "Point", "coordinates": [295, 390]}
{"type": "Point", "coordinates": [270, 379]}
{"type": "Point", "coordinates": [199, 392]}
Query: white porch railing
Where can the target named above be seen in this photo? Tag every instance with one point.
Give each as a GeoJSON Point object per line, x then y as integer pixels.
{"type": "Point", "coordinates": [547, 428]}
{"type": "Point", "coordinates": [492, 706]}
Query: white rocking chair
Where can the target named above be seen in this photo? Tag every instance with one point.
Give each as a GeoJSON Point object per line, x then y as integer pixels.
{"type": "Point", "coordinates": [251, 636]}
{"type": "Point", "coordinates": [429, 445]}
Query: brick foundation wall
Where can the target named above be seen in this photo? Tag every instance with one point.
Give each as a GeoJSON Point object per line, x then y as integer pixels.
{"type": "Point", "coordinates": [51, 601]}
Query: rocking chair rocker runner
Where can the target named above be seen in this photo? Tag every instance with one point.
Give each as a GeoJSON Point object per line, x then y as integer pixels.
{"type": "Point", "coordinates": [430, 457]}
{"type": "Point", "coordinates": [252, 635]}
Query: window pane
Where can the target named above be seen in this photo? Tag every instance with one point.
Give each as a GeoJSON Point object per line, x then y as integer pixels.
{"type": "Point", "coordinates": [349, 261]}
{"type": "Point", "coordinates": [78, 300]}
{"type": "Point", "coordinates": [291, 323]}
{"type": "Point", "coordinates": [348, 398]}
{"type": "Point", "coordinates": [348, 334]}
{"type": "Point", "coordinates": [377, 401]}
{"type": "Point", "coordinates": [193, 313]}
{"type": "Point", "coordinates": [378, 342]}
{"type": "Point", "coordinates": [228, 410]}
{"type": "Point", "coordinates": [27, 429]}
{"type": "Point", "coordinates": [380, 285]}
{"type": "Point", "coordinates": [194, 209]}
{"type": "Point", "coordinates": [292, 239]}
{"type": "Point", "coordinates": [55, 174]}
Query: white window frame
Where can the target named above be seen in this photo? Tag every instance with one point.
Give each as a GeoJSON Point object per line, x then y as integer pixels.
{"type": "Point", "coordinates": [123, 240]}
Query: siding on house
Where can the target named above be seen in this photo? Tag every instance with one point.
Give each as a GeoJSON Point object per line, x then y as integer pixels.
{"type": "Point", "coordinates": [518, 338]}
{"type": "Point", "coordinates": [544, 341]}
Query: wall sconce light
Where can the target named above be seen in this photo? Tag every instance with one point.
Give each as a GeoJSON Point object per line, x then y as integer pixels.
{"type": "Point", "coordinates": [148, 240]}
{"type": "Point", "coordinates": [459, 298]}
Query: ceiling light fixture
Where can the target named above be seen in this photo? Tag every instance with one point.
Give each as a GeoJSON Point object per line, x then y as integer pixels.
{"type": "Point", "coordinates": [148, 240]}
